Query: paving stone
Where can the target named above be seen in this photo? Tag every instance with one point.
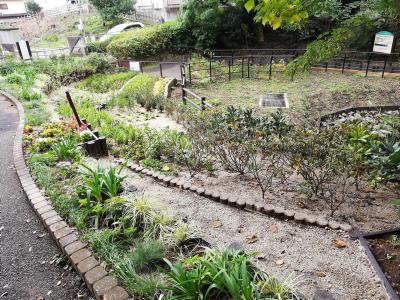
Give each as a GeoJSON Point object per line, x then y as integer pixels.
{"type": "Point", "coordinates": [117, 293]}
{"type": "Point", "coordinates": [278, 210]}
{"type": "Point", "coordinates": [268, 209]}
{"type": "Point", "coordinates": [104, 285]}
{"type": "Point", "coordinates": [224, 199]}
{"type": "Point", "coordinates": [289, 213]}
{"type": "Point", "coordinates": [311, 219]}
{"type": "Point", "coordinates": [200, 191]}
{"type": "Point", "coordinates": [94, 275]}
{"type": "Point", "coordinates": [41, 204]}
{"type": "Point", "coordinates": [49, 214]}
{"type": "Point", "coordinates": [207, 193]}
{"type": "Point", "coordinates": [160, 177]}
{"type": "Point", "coordinates": [44, 209]}
{"type": "Point", "coordinates": [31, 191]}
{"type": "Point", "coordinates": [167, 179]}
{"type": "Point", "coordinates": [186, 185]}
{"type": "Point", "coordinates": [216, 196]}
{"type": "Point", "coordinates": [145, 171]}
{"type": "Point", "coordinates": [323, 295]}
{"type": "Point", "coordinates": [250, 204]}
{"type": "Point", "coordinates": [75, 246]}
{"type": "Point", "coordinates": [57, 226]}
{"type": "Point", "coordinates": [68, 239]}
{"type": "Point", "coordinates": [62, 232]}
{"type": "Point", "coordinates": [193, 188]}
{"type": "Point", "coordinates": [38, 199]}
{"type": "Point", "coordinates": [174, 181]}
{"type": "Point", "coordinates": [80, 255]}
{"type": "Point", "coordinates": [241, 203]}
{"type": "Point", "coordinates": [299, 216]}
{"type": "Point", "coordinates": [87, 264]}
{"type": "Point", "coordinates": [33, 195]}
{"type": "Point", "coordinates": [259, 206]}
{"type": "Point", "coordinates": [52, 220]}
{"type": "Point", "coordinates": [231, 201]}
{"type": "Point", "coordinates": [334, 225]}
{"type": "Point", "coordinates": [180, 183]}
{"type": "Point", "coordinates": [346, 227]}
{"type": "Point", "coordinates": [322, 222]}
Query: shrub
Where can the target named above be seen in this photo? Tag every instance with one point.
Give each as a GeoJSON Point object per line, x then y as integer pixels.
{"type": "Point", "coordinates": [147, 42]}
{"type": "Point", "coordinates": [65, 149]}
{"type": "Point", "coordinates": [15, 78]}
{"type": "Point", "coordinates": [148, 253]}
{"type": "Point", "coordinates": [223, 275]}
{"type": "Point", "coordinates": [105, 83]}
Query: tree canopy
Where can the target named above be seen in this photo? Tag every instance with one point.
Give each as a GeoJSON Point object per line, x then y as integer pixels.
{"type": "Point", "coordinates": [32, 7]}
{"type": "Point", "coordinates": [111, 9]}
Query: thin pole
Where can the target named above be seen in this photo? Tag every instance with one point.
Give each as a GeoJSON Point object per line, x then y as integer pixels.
{"type": "Point", "coordinates": [71, 103]}
{"type": "Point", "coordinates": [161, 75]}
{"type": "Point", "coordinates": [384, 66]}
{"type": "Point", "coordinates": [369, 60]}
{"type": "Point", "coordinates": [203, 103]}
{"type": "Point", "coordinates": [229, 69]}
{"type": "Point", "coordinates": [210, 70]}
{"type": "Point", "coordinates": [190, 74]}
{"type": "Point", "coordinates": [270, 66]}
{"type": "Point", "coordinates": [344, 62]}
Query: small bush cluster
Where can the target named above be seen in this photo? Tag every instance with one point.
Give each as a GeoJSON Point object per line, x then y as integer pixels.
{"type": "Point", "coordinates": [150, 41]}
{"type": "Point", "coordinates": [105, 83]}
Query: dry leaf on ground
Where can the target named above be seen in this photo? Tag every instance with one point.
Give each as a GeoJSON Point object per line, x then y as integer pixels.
{"type": "Point", "coordinates": [251, 239]}
{"type": "Point", "coordinates": [217, 224]}
{"type": "Point", "coordinates": [339, 243]}
{"type": "Point", "coordinates": [273, 228]}
{"type": "Point", "coordinates": [280, 262]}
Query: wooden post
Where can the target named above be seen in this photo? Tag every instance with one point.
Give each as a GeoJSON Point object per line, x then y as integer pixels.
{"type": "Point", "coordinates": [71, 103]}
{"type": "Point", "coordinates": [203, 103]}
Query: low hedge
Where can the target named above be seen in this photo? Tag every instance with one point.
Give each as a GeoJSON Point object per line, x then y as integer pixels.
{"type": "Point", "coordinates": [149, 41]}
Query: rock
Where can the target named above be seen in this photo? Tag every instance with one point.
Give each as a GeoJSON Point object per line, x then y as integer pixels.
{"type": "Point", "coordinates": [323, 295]}
{"type": "Point", "coordinates": [236, 247]}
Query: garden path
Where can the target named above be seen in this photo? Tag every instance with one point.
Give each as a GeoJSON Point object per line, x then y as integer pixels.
{"type": "Point", "coordinates": [31, 265]}
{"type": "Point", "coordinates": [285, 249]}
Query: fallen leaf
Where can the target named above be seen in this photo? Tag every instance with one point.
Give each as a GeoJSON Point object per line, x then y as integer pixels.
{"type": "Point", "coordinates": [42, 235]}
{"type": "Point", "coordinates": [58, 283]}
{"type": "Point", "coordinates": [339, 243]}
{"type": "Point", "coordinates": [280, 262]}
{"type": "Point", "coordinates": [30, 249]}
{"type": "Point", "coordinates": [251, 239]}
{"type": "Point", "coordinates": [273, 228]}
{"type": "Point", "coordinates": [217, 224]}
{"type": "Point", "coordinates": [320, 274]}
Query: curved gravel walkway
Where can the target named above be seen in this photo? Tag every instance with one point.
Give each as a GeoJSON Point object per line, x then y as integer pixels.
{"type": "Point", "coordinates": [31, 265]}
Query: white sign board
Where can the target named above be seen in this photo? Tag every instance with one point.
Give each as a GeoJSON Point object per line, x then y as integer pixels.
{"type": "Point", "coordinates": [383, 42]}
{"type": "Point", "coordinates": [134, 66]}
{"type": "Point", "coordinates": [24, 51]}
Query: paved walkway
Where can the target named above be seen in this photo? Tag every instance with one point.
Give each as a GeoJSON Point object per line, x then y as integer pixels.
{"type": "Point", "coordinates": [30, 265]}
{"type": "Point", "coordinates": [168, 70]}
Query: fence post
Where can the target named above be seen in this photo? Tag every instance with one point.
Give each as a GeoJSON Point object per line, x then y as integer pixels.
{"type": "Point", "coordinates": [270, 67]}
{"type": "Point", "coordinates": [343, 63]}
{"type": "Point", "coordinates": [203, 103]}
{"type": "Point", "coordinates": [190, 74]}
{"type": "Point", "coordinates": [242, 67]}
{"type": "Point", "coordinates": [161, 75]}
{"type": "Point", "coordinates": [326, 67]}
{"type": "Point", "coordinates": [384, 66]}
{"type": "Point", "coordinates": [229, 69]}
{"type": "Point", "coordinates": [248, 67]}
{"type": "Point", "coordinates": [210, 70]}
{"type": "Point", "coordinates": [369, 61]}
{"type": "Point", "coordinates": [183, 95]}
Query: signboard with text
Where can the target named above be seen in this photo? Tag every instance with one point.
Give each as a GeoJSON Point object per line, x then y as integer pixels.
{"type": "Point", "coordinates": [383, 42]}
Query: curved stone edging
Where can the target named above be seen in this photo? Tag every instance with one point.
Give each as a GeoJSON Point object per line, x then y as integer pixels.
{"type": "Point", "coordinates": [99, 282]}
{"type": "Point", "coordinates": [249, 204]}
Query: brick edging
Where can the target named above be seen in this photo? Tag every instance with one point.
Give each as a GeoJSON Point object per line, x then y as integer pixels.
{"type": "Point", "coordinates": [99, 281]}
{"type": "Point", "coordinates": [245, 204]}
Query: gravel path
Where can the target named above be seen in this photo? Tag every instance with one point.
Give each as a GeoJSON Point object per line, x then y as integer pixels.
{"type": "Point", "coordinates": [286, 249]}
{"type": "Point", "coordinates": [31, 265]}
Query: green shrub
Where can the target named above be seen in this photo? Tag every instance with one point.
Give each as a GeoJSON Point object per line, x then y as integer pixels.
{"type": "Point", "coordinates": [101, 83]}
{"type": "Point", "coordinates": [15, 78]}
{"type": "Point", "coordinates": [223, 275]}
{"type": "Point", "coordinates": [66, 149]}
{"type": "Point", "coordinates": [51, 38]}
{"type": "Point", "coordinates": [149, 41]}
{"type": "Point", "coordinates": [148, 253]}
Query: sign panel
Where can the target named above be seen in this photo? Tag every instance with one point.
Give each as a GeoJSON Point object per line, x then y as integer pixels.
{"type": "Point", "coordinates": [24, 50]}
{"type": "Point", "coordinates": [134, 66]}
{"type": "Point", "coordinates": [383, 42]}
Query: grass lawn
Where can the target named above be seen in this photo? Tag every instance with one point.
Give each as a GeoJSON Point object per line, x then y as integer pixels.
{"type": "Point", "coordinates": [310, 95]}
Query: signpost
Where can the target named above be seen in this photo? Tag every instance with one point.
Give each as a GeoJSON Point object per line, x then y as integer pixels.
{"type": "Point", "coordinates": [24, 50]}
{"type": "Point", "coordinates": [383, 42]}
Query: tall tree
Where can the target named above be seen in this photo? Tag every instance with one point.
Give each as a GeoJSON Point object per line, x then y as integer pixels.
{"type": "Point", "coordinates": [111, 9]}
{"type": "Point", "coordinates": [32, 7]}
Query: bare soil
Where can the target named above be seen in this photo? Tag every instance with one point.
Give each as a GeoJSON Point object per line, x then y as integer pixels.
{"type": "Point", "coordinates": [388, 256]}
{"type": "Point", "coordinates": [302, 256]}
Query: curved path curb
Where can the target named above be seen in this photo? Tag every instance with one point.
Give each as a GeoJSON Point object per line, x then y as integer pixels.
{"type": "Point", "coordinates": [245, 204]}
{"type": "Point", "coordinates": [100, 283]}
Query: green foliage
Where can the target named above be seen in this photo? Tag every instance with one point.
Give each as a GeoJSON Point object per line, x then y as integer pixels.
{"type": "Point", "coordinates": [276, 12]}
{"type": "Point", "coordinates": [217, 24]}
{"type": "Point", "coordinates": [147, 254]}
{"type": "Point", "coordinates": [53, 38]}
{"type": "Point", "coordinates": [110, 9]}
{"type": "Point", "coordinates": [32, 7]}
{"type": "Point", "coordinates": [105, 83]}
{"type": "Point", "coordinates": [66, 149]}
{"type": "Point", "coordinates": [101, 183]}
{"type": "Point", "coordinates": [222, 275]}
{"type": "Point", "coordinates": [148, 42]}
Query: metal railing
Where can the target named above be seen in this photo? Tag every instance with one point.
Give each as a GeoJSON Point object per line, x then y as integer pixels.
{"type": "Point", "coordinates": [46, 53]}
{"type": "Point", "coordinates": [143, 16]}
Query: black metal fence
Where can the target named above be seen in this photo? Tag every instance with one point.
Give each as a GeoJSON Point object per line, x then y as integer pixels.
{"type": "Point", "coordinates": [233, 67]}
{"type": "Point", "coordinates": [367, 62]}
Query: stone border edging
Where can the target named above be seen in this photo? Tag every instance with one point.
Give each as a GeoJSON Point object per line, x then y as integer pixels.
{"type": "Point", "coordinates": [248, 204]}
{"type": "Point", "coordinates": [99, 282]}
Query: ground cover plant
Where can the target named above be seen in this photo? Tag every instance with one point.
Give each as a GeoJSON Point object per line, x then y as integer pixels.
{"type": "Point", "coordinates": [105, 83]}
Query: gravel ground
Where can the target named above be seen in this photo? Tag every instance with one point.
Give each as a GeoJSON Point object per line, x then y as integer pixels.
{"type": "Point", "coordinates": [286, 249]}
{"type": "Point", "coordinates": [31, 265]}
